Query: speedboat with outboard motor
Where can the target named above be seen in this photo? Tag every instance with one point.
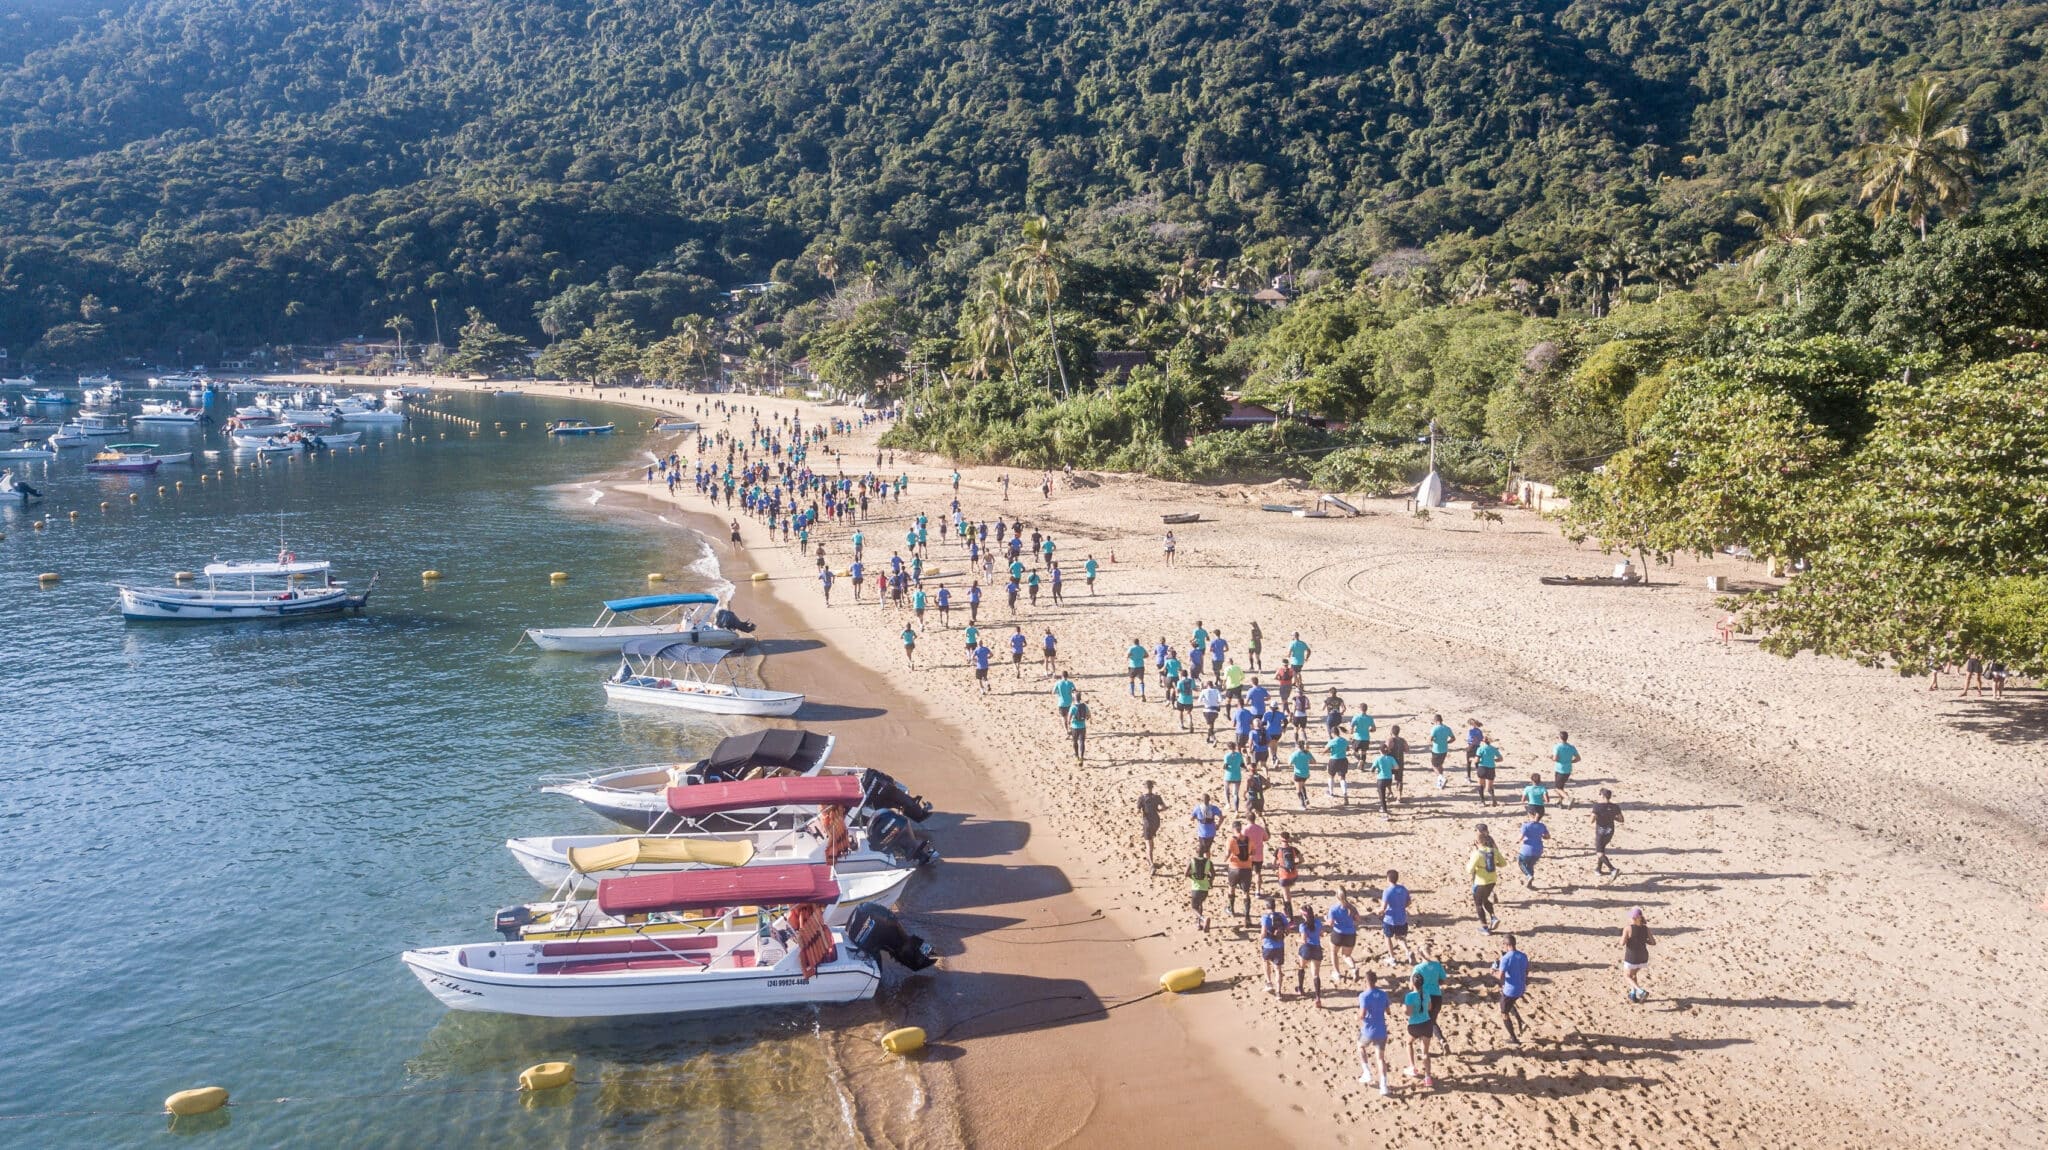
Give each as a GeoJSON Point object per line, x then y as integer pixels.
{"type": "Point", "coordinates": [16, 488]}
{"type": "Point", "coordinates": [679, 618]}
{"type": "Point", "coordinates": [791, 956]}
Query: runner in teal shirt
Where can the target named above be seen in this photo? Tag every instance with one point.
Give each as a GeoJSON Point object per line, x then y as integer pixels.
{"type": "Point", "coordinates": [1136, 658]}
{"type": "Point", "coordinates": [1233, 777]}
{"type": "Point", "coordinates": [1301, 761]}
{"type": "Point", "coordinates": [1440, 737]}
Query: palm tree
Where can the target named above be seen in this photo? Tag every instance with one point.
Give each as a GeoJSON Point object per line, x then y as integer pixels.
{"type": "Point", "coordinates": [399, 325]}
{"type": "Point", "coordinates": [1924, 160]}
{"type": "Point", "coordinates": [1001, 318]}
{"type": "Point", "coordinates": [828, 266]}
{"type": "Point", "coordinates": [1037, 268]}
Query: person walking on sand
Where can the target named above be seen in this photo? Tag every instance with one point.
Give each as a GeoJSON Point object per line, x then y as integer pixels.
{"type": "Point", "coordinates": [1017, 645]}
{"type": "Point", "coordinates": [1563, 756]}
{"type": "Point", "coordinates": [1338, 778]}
{"type": "Point", "coordinates": [945, 608]}
{"type": "Point", "coordinates": [1051, 646]}
{"type": "Point", "coordinates": [1233, 778]}
{"type": "Point", "coordinates": [1212, 707]}
{"type": "Point", "coordinates": [1273, 930]}
{"type": "Point", "coordinates": [1150, 809]}
{"type": "Point", "coordinates": [1533, 834]}
{"type": "Point", "coordinates": [1088, 570]}
{"type": "Point", "coordinates": [1169, 548]}
{"type": "Point", "coordinates": [1606, 817]}
{"type": "Point", "coordinates": [1333, 713]}
{"type": "Point", "coordinates": [1343, 936]}
{"type": "Point", "coordinates": [1310, 953]}
{"type": "Point", "coordinates": [1420, 1027]}
{"type": "Point", "coordinates": [1063, 693]}
{"type": "Point", "coordinates": [910, 647]}
{"type": "Point", "coordinates": [1513, 968]}
{"type": "Point", "coordinates": [1256, 834]}
{"type": "Point", "coordinates": [1395, 902]}
{"type": "Point", "coordinates": [1134, 660]}
{"type": "Point", "coordinates": [1397, 747]}
{"type": "Point", "coordinates": [1372, 1032]}
{"type": "Point", "coordinates": [1255, 785]}
{"type": "Point", "coordinates": [825, 579]}
{"type": "Point", "coordinates": [1077, 729]}
{"type": "Point", "coordinates": [1237, 859]}
{"type": "Point", "coordinates": [1474, 736]}
{"type": "Point", "coordinates": [980, 658]}
{"type": "Point", "coordinates": [1297, 654]}
{"type": "Point", "coordinates": [1303, 763]}
{"type": "Point", "coordinates": [1287, 861]}
{"type": "Point", "coordinates": [917, 606]}
{"type": "Point", "coordinates": [1483, 864]}
{"type": "Point", "coordinates": [1636, 941]}
{"type": "Point", "coordinates": [1535, 799]}
{"type": "Point", "coordinates": [1207, 817]}
{"type": "Point", "coordinates": [1383, 767]}
{"type": "Point", "coordinates": [1201, 876]}
{"type": "Point", "coordinates": [1254, 647]}
{"type": "Point", "coordinates": [1184, 701]}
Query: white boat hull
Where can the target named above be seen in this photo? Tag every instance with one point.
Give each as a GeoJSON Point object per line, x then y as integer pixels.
{"type": "Point", "coordinates": [202, 606]}
{"type": "Point", "coordinates": [847, 978]}
{"type": "Point", "coordinates": [712, 698]}
{"type": "Point", "coordinates": [546, 858]}
{"type": "Point", "coordinates": [165, 417]}
{"type": "Point", "coordinates": [27, 453]}
{"type": "Point", "coordinates": [373, 416]}
{"type": "Point", "coordinates": [608, 640]}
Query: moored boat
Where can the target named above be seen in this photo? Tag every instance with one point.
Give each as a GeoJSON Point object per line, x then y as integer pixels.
{"type": "Point", "coordinates": [663, 672]}
{"type": "Point", "coordinates": [800, 961]}
{"type": "Point", "coordinates": [158, 411]}
{"type": "Point", "coordinates": [28, 451]}
{"type": "Point", "coordinates": [285, 589]}
{"type": "Point", "coordinates": [579, 427]}
{"type": "Point", "coordinates": [681, 618]}
{"type": "Point", "coordinates": [118, 458]}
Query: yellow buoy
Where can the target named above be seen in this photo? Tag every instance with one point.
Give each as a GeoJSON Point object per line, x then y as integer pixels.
{"type": "Point", "coordinates": [760, 576]}
{"type": "Point", "coordinates": [104, 505]}
{"type": "Point", "coordinates": [74, 514]}
{"type": "Point", "coordinates": [181, 576]}
{"type": "Point", "coordinates": [558, 576]}
{"type": "Point", "coordinates": [547, 1076]}
{"type": "Point", "coordinates": [503, 434]}
{"type": "Point", "coordinates": [47, 577]}
{"type": "Point", "coordinates": [132, 497]}
{"type": "Point", "coordinates": [655, 577]}
{"type": "Point", "coordinates": [179, 484]}
{"type": "Point", "coordinates": [38, 525]}
{"type": "Point", "coordinates": [1180, 981]}
{"type": "Point", "coordinates": [203, 1100]}
{"type": "Point", "coordinates": [159, 489]}
{"type": "Point", "coordinates": [430, 574]}
{"type": "Point", "coordinates": [904, 1040]}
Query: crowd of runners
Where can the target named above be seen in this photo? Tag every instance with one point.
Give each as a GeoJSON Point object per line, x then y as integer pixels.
{"type": "Point", "coordinates": [1286, 742]}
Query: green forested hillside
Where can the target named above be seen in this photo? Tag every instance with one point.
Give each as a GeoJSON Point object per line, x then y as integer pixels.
{"type": "Point", "coordinates": [205, 172]}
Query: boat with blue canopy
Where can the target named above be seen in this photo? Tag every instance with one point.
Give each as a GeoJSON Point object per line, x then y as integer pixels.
{"type": "Point", "coordinates": [579, 427]}
{"type": "Point", "coordinates": [691, 617]}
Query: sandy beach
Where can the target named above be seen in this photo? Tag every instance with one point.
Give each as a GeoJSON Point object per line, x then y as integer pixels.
{"type": "Point", "coordinates": [1843, 869]}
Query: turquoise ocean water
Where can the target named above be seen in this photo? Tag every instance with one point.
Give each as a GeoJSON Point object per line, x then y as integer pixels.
{"type": "Point", "coordinates": [218, 838]}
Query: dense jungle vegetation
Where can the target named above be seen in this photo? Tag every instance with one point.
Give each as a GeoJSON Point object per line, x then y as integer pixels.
{"type": "Point", "coordinates": [1766, 273]}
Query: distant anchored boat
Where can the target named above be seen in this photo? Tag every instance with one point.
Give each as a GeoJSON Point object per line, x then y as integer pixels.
{"type": "Point", "coordinates": [579, 427]}
{"type": "Point", "coordinates": [679, 618]}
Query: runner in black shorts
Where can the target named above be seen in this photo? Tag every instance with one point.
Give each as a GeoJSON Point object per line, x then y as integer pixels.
{"type": "Point", "coordinates": [1606, 815]}
{"type": "Point", "coordinates": [1397, 747]}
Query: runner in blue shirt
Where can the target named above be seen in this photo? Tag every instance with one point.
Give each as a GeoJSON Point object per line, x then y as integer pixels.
{"type": "Point", "coordinates": [1533, 834]}
{"type": "Point", "coordinates": [1310, 924]}
{"type": "Point", "coordinates": [1474, 736]}
{"type": "Point", "coordinates": [1275, 723]}
{"type": "Point", "coordinates": [1273, 931]}
{"type": "Point", "coordinates": [1297, 653]}
{"type": "Point", "coordinates": [1051, 646]}
{"type": "Point", "coordinates": [1207, 817]}
{"type": "Point", "coordinates": [1513, 967]}
{"type": "Point", "coordinates": [1242, 723]}
{"type": "Point", "coordinates": [1017, 644]}
{"type": "Point", "coordinates": [945, 607]}
{"type": "Point", "coordinates": [973, 603]}
{"type": "Point", "coordinates": [1383, 776]}
{"type": "Point", "coordinates": [1565, 757]}
{"type": "Point", "coordinates": [980, 655]}
{"type": "Point", "coordinates": [1256, 698]}
{"type": "Point", "coordinates": [1394, 904]}
{"type": "Point", "coordinates": [1198, 647]}
{"type": "Point", "coordinates": [825, 577]}
{"type": "Point", "coordinates": [854, 573]}
{"type": "Point", "coordinates": [910, 647]}
{"type": "Point", "coordinates": [1439, 748]}
{"type": "Point", "coordinates": [1416, 1005]}
{"type": "Point", "coordinates": [1372, 1031]}
{"type": "Point", "coordinates": [1343, 935]}
{"type": "Point", "coordinates": [1184, 701]}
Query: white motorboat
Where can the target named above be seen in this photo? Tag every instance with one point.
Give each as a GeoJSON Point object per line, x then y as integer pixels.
{"type": "Point", "coordinates": [577, 426]}
{"type": "Point", "coordinates": [306, 417]}
{"type": "Point", "coordinates": [101, 380]}
{"type": "Point", "coordinates": [119, 459]}
{"type": "Point", "coordinates": [18, 381]}
{"type": "Point", "coordinates": [106, 394]}
{"type": "Point", "coordinates": [757, 804]}
{"type": "Point", "coordinates": [98, 424]}
{"type": "Point", "coordinates": [566, 916]}
{"type": "Point", "coordinates": [65, 437]}
{"type": "Point", "coordinates": [669, 423]}
{"type": "Point", "coordinates": [635, 795]}
{"type": "Point", "coordinates": [48, 396]}
{"type": "Point", "coordinates": [680, 618]}
{"type": "Point", "coordinates": [12, 487]}
{"type": "Point", "coordinates": [290, 439]}
{"type": "Point", "coordinates": [9, 425]}
{"type": "Point", "coordinates": [148, 449]}
{"type": "Point", "coordinates": [162, 411]}
{"type": "Point", "coordinates": [30, 451]}
{"type": "Point", "coordinates": [799, 961]}
{"type": "Point", "coordinates": [286, 589]}
{"type": "Point", "coordinates": [666, 673]}
{"type": "Point", "coordinates": [360, 409]}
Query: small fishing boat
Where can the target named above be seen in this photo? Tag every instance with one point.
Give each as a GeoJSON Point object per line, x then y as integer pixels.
{"type": "Point", "coordinates": [662, 800]}
{"type": "Point", "coordinates": [667, 673]}
{"type": "Point", "coordinates": [30, 451]}
{"type": "Point", "coordinates": [566, 916]}
{"type": "Point", "coordinates": [48, 396]}
{"type": "Point", "coordinates": [285, 589]}
{"type": "Point", "coordinates": [150, 450]}
{"type": "Point", "coordinates": [679, 617]}
{"type": "Point", "coordinates": [65, 437]}
{"type": "Point", "coordinates": [670, 423]}
{"type": "Point", "coordinates": [579, 427]}
{"type": "Point", "coordinates": [360, 412]}
{"type": "Point", "coordinates": [101, 380]}
{"type": "Point", "coordinates": [9, 425]}
{"type": "Point", "coordinates": [634, 795]}
{"type": "Point", "coordinates": [798, 960]}
{"type": "Point", "coordinates": [18, 381]}
{"type": "Point", "coordinates": [394, 396]}
{"type": "Point", "coordinates": [118, 459]}
{"type": "Point", "coordinates": [306, 417]}
{"type": "Point", "coordinates": [14, 488]}
{"type": "Point", "coordinates": [159, 411]}
{"type": "Point", "coordinates": [105, 394]}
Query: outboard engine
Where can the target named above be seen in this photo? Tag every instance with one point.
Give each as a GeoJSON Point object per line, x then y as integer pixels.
{"type": "Point", "coordinates": [885, 793]}
{"type": "Point", "coordinates": [725, 620]}
{"type": "Point", "coordinates": [889, 832]}
{"type": "Point", "coordinates": [873, 930]}
{"type": "Point", "coordinates": [512, 919]}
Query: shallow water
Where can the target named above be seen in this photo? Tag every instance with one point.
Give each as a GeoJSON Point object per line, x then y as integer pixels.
{"type": "Point", "coordinates": [219, 837]}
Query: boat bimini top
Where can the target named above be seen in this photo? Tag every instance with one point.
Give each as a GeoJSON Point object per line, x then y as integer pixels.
{"type": "Point", "coordinates": [272, 570]}
{"type": "Point", "coordinates": [688, 890]}
{"type": "Point", "coordinates": [789, 791]}
{"type": "Point", "coordinates": [668, 650]}
{"type": "Point", "coordinates": [651, 602]}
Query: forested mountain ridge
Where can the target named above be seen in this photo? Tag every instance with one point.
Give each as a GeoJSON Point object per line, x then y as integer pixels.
{"type": "Point", "coordinates": [196, 171]}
